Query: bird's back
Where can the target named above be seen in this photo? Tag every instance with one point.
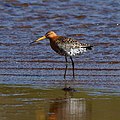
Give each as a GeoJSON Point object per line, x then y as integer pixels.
{"type": "Point", "coordinates": [71, 47]}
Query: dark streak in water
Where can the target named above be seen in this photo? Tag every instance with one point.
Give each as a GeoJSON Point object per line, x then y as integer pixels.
{"type": "Point", "coordinates": [54, 75]}
{"type": "Point", "coordinates": [86, 69]}
{"type": "Point", "coordinates": [53, 61]}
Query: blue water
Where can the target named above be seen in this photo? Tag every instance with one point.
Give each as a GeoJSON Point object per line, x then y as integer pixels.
{"type": "Point", "coordinates": [92, 21]}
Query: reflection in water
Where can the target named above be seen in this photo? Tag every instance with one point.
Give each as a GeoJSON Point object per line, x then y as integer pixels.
{"type": "Point", "coordinates": [69, 109]}
{"type": "Point", "coordinates": [65, 109]}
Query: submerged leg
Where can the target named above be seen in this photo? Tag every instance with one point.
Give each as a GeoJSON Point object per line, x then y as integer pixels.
{"type": "Point", "coordinates": [65, 67]}
{"type": "Point", "coordinates": [72, 67]}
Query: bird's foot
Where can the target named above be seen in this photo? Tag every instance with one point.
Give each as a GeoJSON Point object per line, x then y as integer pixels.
{"type": "Point", "coordinates": [68, 89]}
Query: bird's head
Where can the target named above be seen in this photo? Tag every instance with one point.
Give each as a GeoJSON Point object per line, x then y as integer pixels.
{"type": "Point", "coordinates": [49, 35]}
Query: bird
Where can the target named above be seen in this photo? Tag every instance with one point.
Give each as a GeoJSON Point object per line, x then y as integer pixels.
{"type": "Point", "coordinates": [66, 47]}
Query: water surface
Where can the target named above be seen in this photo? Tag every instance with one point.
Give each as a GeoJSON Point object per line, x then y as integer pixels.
{"type": "Point", "coordinates": [31, 76]}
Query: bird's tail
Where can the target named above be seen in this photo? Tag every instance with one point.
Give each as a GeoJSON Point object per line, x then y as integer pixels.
{"type": "Point", "coordinates": [88, 47]}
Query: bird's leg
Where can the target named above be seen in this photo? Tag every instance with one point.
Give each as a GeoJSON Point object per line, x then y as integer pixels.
{"type": "Point", "coordinates": [72, 67]}
{"type": "Point", "coordinates": [66, 66]}
{"type": "Point", "coordinates": [66, 62]}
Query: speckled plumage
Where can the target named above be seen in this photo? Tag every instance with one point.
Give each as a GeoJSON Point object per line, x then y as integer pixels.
{"type": "Point", "coordinates": [69, 46]}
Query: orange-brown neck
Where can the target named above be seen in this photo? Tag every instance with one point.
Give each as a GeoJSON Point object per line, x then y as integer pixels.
{"type": "Point", "coordinates": [54, 45]}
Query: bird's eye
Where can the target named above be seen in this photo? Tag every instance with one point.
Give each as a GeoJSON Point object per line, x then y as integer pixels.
{"type": "Point", "coordinates": [48, 34]}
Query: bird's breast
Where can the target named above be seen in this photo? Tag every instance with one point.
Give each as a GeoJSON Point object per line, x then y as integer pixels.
{"type": "Point", "coordinates": [56, 48]}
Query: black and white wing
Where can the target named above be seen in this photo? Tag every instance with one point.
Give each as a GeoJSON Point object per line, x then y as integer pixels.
{"type": "Point", "coordinates": [72, 47]}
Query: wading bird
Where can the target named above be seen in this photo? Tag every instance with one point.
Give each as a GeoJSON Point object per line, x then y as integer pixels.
{"type": "Point", "coordinates": [64, 46]}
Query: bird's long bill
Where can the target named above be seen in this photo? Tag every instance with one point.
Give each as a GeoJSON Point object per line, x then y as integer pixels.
{"type": "Point", "coordinates": [41, 38]}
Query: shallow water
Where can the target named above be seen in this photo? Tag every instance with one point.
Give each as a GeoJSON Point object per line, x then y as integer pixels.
{"type": "Point", "coordinates": [27, 72]}
{"type": "Point", "coordinates": [25, 103]}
